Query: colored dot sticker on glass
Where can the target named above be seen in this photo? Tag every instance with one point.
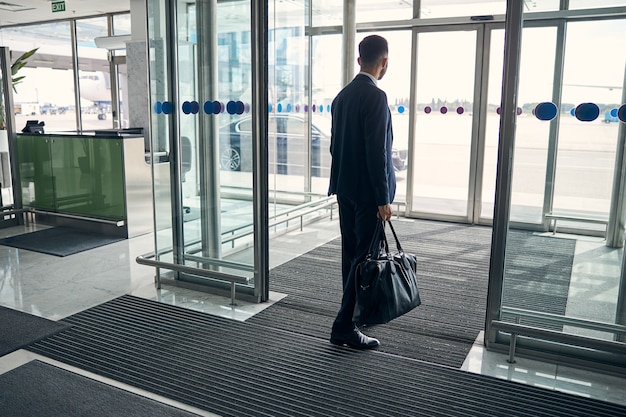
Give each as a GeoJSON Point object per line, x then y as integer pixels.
{"type": "Point", "coordinates": [545, 111]}
{"type": "Point", "coordinates": [400, 109]}
{"type": "Point", "coordinates": [443, 110]}
{"type": "Point", "coordinates": [195, 107]}
{"type": "Point", "coordinates": [217, 107]}
{"type": "Point", "coordinates": [621, 113]}
{"type": "Point", "coordinates": [158, 107]}
{"type": "Point", "coordinates": [240, 107]}
{"type": "Point", "coordinates": [587, 112]}
{"type": "Point", "coordinates": [167, 107]}
{"type": "Point", "coordinates": [460, 110]}
{"type": "Point", "coordinates": [209, 107]}
{"type": "Point", "coordinates": [427, 109]}
{"type": "Point", "coordinates": [186, 107]}
{"type": "Point", "coordinates": [231, 107]}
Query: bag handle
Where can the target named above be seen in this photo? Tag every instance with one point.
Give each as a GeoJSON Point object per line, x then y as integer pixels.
{"type": "Point", "coordinates": [380, 228]}
{"type": "Point", "coordinates": [398, 246]}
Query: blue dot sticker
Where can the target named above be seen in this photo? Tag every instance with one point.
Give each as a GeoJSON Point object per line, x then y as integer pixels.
{"type": "Point", "coordinates": [240, 107]}
{"type": "Point", "coordinates": [545, 111]}
{"type": "Point", "coordinates": [289, 108]}
{"type": "Point", "coordinates": [231, 107]}
{"type": "Point", "coordinates": [158, 107]}
{"type": "Point", "coordinates": [195, 107]}
{"type": "Point", "coordinates": [208, 107]}
{"type": "Point", "coordinates": [217, 107]}
{"type": "Point", "coordinates": [279, 108]}
{"type": "Point", "coordinates": [587, 112]}
{"type": "Point", "coordinates": [621, 113]}
{"type": "Point", "coordinates": [186, 107]}
{"type": "Point", "coordinates": [167, 107]}
{"type": "Point", "coordinates": [400, 109]}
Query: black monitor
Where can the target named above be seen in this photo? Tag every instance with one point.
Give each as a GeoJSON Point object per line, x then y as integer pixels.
{"type": "Point", "coordinates": [34, 126]}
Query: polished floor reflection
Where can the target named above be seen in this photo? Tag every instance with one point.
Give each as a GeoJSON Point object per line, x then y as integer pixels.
{"type": "Point", "coordinates": [55, 287]}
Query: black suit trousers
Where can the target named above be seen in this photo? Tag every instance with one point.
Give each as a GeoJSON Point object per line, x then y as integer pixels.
{"type": "Point", "coordinates": [358, 224]}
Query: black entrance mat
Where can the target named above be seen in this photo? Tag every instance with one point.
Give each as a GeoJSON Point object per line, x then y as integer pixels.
{"type": "Point", "coordinates": [19, 329]}
{"type": "Point", "coordinates": [242, 369]}
{"type": "Point", "coordinates": [453, 270]}
{"type": "Point", "coordinates": [59, 241]}
{"type": "Point", "coordinates": [43, 390]}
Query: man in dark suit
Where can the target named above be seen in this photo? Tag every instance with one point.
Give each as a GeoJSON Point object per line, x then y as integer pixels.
{"type": "Point", "coordinates": [362, 175]}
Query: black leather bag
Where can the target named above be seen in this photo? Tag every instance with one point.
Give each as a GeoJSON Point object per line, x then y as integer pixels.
{"type": "Point", "coordinates": [386, 283]}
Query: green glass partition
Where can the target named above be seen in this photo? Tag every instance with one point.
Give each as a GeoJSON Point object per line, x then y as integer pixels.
{"type": "Point", "coordinates": [73, 174]}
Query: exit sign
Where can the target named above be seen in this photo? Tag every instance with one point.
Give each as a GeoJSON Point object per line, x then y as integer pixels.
{"type": "Point", "coordinates": [58, 6]}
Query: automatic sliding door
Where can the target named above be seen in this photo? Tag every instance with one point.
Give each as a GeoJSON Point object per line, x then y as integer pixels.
{"type": "Point", "coordinates": [537, 64]}
{"type": "Point", "coordinates": [446, 63]}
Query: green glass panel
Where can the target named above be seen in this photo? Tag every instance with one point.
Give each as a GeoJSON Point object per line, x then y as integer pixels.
{"type": "Point", "coordinates": [89, 176]}
{"type": "Point", "coordinates": [37, 181]}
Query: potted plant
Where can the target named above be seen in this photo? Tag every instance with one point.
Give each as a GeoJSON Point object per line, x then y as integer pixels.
{"type": "Point", "coordinates": [16, 66]}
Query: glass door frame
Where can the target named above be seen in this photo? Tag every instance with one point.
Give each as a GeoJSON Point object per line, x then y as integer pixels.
{"type": "Point", "coordinates": [479, 111]}
{"type": "Point", "coordinates": [528, 340]}
{"type": "Point", "coordinates": [252, 282]}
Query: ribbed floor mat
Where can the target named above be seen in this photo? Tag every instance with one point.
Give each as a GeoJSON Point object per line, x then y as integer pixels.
{"type": "Point", "coordinates": [243, 369]}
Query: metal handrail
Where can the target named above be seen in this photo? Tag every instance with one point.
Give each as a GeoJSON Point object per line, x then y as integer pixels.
{"type": "Point", "coordinates": [577, 340]}
{"type": "Point", "coordinates": [234, 279]}
{"type": "Point", "coordinates": [586, 324]}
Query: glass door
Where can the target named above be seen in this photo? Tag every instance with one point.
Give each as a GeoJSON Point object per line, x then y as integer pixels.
{"type": "Point", "coordinates": [206, 215]}
{"type": "Point", "coordinates": [444, 123]}
{"type": "Point", "coordinates": [563, 288]}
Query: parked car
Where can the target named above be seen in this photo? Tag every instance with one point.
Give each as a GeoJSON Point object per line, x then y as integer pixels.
{"type": "Point", "coordinates": [286, 145]}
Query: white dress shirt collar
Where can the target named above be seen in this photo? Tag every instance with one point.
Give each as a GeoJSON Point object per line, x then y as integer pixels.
{"type": "Point", "coordinates": [369, 75]}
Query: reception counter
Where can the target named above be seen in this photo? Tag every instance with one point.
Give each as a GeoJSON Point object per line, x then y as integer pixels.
{"type": "Point", "coordinates": [95, 181]}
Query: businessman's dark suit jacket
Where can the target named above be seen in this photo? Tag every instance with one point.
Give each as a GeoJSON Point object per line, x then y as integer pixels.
{"type": "Point", "coordinates": [361, 175]}
{"type": "Point", "coordinates": [361, 142]}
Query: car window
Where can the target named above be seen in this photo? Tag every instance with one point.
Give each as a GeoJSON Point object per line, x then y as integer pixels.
{"type": "Point", "coordinates": [245, 126]}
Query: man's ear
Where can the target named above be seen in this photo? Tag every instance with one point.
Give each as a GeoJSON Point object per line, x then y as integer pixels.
{"type": "Point", "coordinates": [358, 60]}
{"type": "Point", "coordinates": [384, 62]}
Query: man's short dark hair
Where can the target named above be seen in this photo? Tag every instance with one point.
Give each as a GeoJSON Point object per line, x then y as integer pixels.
{"type": "Point", "coordinates": [372, 49]}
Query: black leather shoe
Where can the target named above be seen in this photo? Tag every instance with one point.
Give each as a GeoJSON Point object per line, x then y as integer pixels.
{"type": "Point", "coordinates": [355, 339]}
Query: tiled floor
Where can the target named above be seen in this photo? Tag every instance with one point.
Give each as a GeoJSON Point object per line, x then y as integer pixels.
{"type": "Point", "coordinates": [54, 288]}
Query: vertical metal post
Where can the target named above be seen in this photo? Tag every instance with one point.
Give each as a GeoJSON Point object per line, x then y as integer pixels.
{"type": "Point", "coordinates": [557, 82]}
{"type": "Point", "coordinates": [208, 143]}
{"type": "Point", "coordinates": [479, 123]}
{"type": "Point", "coordinates": [171, 23]}
{"type": "Point", "coordinates": [9, 122]}
{"type": "Point", "coordinates": [513, 344]}
{"type": "Point", "coordinates": [349, 36]}
{"type": "Point", "coordinates": [76, 69]}
{"type": "Point", "coordinates": [260, 192]}
{"type": "Point", "coordinates": [615, 228]}
{"type": "Point", "coordinates": [408, 207]}
{"type": "Point", "coordinates": [510, 78]}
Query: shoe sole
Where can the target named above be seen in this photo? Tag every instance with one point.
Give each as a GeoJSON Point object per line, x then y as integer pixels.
{"type": "Point", "coordinates": [358, 347]}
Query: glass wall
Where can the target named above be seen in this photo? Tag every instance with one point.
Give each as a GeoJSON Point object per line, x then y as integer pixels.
{"type": "Point", "coordinates": [47, 92]}
{"type": "Point", "coordinates": [94, 76]}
